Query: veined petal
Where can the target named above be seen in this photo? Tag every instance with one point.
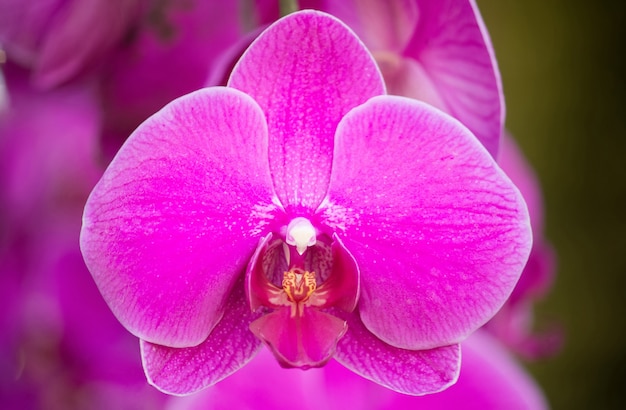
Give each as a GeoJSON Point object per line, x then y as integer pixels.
{"type": "Point", "coordinates": [439, 232]}
{"type": "Point", "coordinates": [306, 72]}
{"type": "Point", "coordinates": [453, 46]}
{"type": "Point", "coordinates": [405, 371]}
{"type": "Point", "coordinates": [304, 340]}
{"type": "Point", "coordinates": [228, 348]}
{"type": "Point", "coordinates": [177, 215]}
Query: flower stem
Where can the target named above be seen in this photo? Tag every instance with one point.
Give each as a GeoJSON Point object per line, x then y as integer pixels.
{"type": "Point", "coordinates": [287, 7]}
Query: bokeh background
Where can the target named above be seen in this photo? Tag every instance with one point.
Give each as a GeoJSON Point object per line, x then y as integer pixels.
{"type": "Point", "coordinates": [562, 65]}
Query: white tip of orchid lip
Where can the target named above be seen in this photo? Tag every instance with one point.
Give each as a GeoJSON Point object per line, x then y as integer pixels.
{"type": "Point", "coordinates": [301, 234]}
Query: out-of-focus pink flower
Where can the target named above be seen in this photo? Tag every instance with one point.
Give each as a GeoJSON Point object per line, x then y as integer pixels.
{"type": "Point", "coordinates": [60, 39]}
{"type": "Point", "coordinates": [48, 146]}
{"type": "Point", "coordinates": [371, 228]}
{"type": "Point", "coordinates": [490, 379]}
{"type": "Point", "coordinates": [437, 51]}
{"type": "Point", "coordinates": [514, 323]}
{"type": "Point", "coordinates": [179, 46]}
{"type": "Point", "coordinates": [60, 346]}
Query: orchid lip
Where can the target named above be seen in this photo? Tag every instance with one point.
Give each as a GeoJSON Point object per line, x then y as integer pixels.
{"type": "Point", "coordinates": [297, 288]}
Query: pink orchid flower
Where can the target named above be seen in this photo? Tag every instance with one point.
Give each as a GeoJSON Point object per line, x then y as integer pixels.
{"type": "Point", "coordinates": [490, 379]}
{"type": "Point", "coordinates": [437, 51]}
{"type": "Point", "coordinates": [370, 228]}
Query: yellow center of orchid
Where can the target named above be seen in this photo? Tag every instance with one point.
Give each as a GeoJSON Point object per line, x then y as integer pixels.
{"type": "Point", "coordinates": [299, 284]}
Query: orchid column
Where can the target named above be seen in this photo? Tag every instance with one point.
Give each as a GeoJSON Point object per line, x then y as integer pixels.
{"type": "Point", "coordinates": [303, 208]}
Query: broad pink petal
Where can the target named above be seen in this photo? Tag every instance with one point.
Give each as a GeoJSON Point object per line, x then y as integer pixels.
{"type": "Point", "coordinates": [411, 372]}
{"type": "Point", "coordinates": [177, 215]}
{"type": "Point", "coordinates": [302, 341]}
{"type": "Point", "coordinates": [306, 72]}
{"type": "Point", "coordinates": [452, 45]}
{"type": "Point", "coordinates": [439, 232]}
{"type": "Point", "coordinates": [228, 348]}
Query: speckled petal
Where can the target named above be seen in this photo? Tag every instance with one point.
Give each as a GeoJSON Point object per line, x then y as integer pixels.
{"type": "Point", "coordinates": [439, 232]}
{"type": "Point", "coordinates": [405, 371]}
{"type": "Point", "coordinates": [177, 215]}
{"type": "Point", "coordinates": [306, 72]}
{"type": "Point", "coordinates": [229, 347]}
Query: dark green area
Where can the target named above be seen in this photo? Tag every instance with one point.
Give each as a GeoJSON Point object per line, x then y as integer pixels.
{"type": "Point", "coordinates": [562, 64]}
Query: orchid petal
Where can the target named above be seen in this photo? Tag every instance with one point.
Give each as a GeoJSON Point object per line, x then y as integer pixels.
{"type": "Point", "coordinates": [452, 45]}
{"type": "Point", "coordinates": [177, 215]}
{"type": "Point", "coordinates": [405, 371]}
{"type": "Point", "coordinates": [439, 232]}
{"type": "Point", "coordinates": [228, 348]}
{"type": "Point", "coordinates": [299, 340]}
{"type": "Point", "coordinates": [306, 72]}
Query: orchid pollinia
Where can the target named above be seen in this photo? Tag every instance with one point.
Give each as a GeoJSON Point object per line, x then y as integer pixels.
{"type": "Point", "coordinates": [303, 208]}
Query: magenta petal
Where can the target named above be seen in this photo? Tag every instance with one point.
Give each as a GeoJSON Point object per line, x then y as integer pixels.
{"type": "Point", "coordinates": [302, 341]}
{"type": "Point", "coordinates": [306, 72]}
{"type": "Point", "coordinates": [439, 232]}
{"type": "Point", "coordinates": [228, 348]}
{"type": "Point", "coordinates": [453, 46]}
{"type": "Point", "coordinates": [405, 371]}
{"type": "Point", "coordinates": [177, 215]}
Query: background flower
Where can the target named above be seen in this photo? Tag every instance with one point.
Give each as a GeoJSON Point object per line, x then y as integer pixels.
{"type": "Point", "coordinates": [564, 86]}
{"type": "Point", "coordinates": [490, 379]}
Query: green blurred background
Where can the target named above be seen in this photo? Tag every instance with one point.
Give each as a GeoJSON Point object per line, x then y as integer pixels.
{"type": "Point", "coordinates": [563, 72]}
